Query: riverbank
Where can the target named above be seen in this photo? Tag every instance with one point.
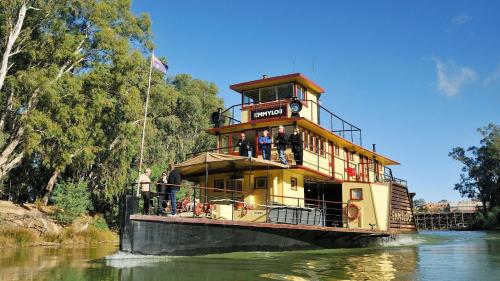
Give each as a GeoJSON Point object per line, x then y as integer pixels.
{"type": "Point", "coordinates": [29, 225]}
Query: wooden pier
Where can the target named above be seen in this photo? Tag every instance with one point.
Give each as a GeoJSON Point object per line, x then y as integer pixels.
{"type": "Point", "coordinates": [444, 220]}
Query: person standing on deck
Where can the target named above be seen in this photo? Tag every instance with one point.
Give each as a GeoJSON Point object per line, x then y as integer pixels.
{"type": "Point", "coordinates": [281, 145]}
{"type": "Point", "coordinates": [295, 141]}
{"type": "Point", "coordinates": [174, 182]}
{"type": "Point", "coordinates": [265, 144]}
{"type": "Point", "coordinates": [144, 182]}
{"type": "Point", "coordinates": [161, 188]}
{"type": "Point", "coordinates": [244, 146]}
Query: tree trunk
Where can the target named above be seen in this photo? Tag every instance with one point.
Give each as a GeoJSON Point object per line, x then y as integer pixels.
{"type": "Point", "coordinates": [50, 186]}
{"type": "Point", "coordinates": [14, 33]}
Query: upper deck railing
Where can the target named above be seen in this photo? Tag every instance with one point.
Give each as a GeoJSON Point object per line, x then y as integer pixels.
{"type": "Point", "coordinates": [349, 171]}
{"type": "Point", "coordinates": [316, 113]}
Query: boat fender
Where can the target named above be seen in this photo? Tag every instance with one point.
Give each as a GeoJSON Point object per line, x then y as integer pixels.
{"type": "Point", "coordinates": [198, 209]}
{"type": "Point", "coordinates": [352, 211]}
{"type": "Point", "coordinates": [244, 211]}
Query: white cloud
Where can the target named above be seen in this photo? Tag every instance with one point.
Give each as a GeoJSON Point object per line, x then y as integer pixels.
{"type": "Point", "coordinates": [451, 76]}
{"type": "Point", "coordinates": [492, 78]}
{"type": "Point", "coordinates": [460, 19]}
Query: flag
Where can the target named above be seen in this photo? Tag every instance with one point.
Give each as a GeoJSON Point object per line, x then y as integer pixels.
{"type": "Point", "coordinates": [157, 64]}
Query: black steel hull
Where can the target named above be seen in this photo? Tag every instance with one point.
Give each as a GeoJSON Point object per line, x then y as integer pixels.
{"type": "Point", "coordinates": [157, 237]}
{"type": "Point", "coordinates": [154, 235]}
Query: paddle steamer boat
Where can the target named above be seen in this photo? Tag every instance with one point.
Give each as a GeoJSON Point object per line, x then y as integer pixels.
{"type": "Point", "coordinates": [341, 195]}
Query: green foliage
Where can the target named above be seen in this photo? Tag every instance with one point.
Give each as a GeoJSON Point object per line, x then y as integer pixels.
{"type": "Point", "coordinates": [418, 204]}
{"type": "Point", "coordinates": [489, 220]}
{"type": "Point", "coordinates": [73, 101]}
{"type": "Point", "coordinates": [100, 223]}
{"type": "Point", "coordinates": [480, 177]}
{"type": "Point", "coordinates": [72, 199]}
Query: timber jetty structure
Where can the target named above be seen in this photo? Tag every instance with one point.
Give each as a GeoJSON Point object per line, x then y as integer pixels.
{"type": "Point", "coordinates": [337, 193]}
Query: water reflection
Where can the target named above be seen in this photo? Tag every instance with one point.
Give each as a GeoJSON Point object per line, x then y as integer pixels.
{"type": "Point", "coordinates": [442, 256]}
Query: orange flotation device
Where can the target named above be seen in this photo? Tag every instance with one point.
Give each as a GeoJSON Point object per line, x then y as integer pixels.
{"type": "Point", "coordinates": [352, 211]}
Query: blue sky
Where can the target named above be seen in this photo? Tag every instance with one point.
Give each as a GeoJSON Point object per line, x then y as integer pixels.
{"type": "Point", "coordinates": [418, 78]}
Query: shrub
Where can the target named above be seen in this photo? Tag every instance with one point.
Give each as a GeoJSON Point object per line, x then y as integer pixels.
{"type": "Point", "coordinates": [489, 221]}
{"type": "Point", "coordinates": [99, 223]}
{"type": "Point", "coordinates": [72, 200]}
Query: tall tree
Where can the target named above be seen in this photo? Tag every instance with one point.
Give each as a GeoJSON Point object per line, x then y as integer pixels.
{"type": "Point", "coordinates": [480, 177]}
{"type": "Point", "coordinates": [44, 103]}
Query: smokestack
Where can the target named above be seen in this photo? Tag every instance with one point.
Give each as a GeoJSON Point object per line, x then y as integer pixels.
{"type": "Point", "coordinates": [374, 149]}
{"type": "Point", "coordinates": [264, 76]}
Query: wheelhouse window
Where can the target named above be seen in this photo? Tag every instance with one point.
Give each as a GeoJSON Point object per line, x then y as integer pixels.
{"type": "Point", "coordinates": [285, 91]}
{"type": "Point", "coordinates": [251, 96]}
{"type": "Point", "coordinates": [268, 94]}
{"type": "Point", "coordinates": [301, 92]}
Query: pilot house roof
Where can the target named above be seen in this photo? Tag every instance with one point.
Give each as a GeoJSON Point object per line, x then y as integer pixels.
{"type": "Point", "coordinates": [269, 81]}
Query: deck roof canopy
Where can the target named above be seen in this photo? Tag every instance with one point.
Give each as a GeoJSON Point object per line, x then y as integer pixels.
{"type": "Point", "coordinates": [276, 80]}
{"type": "Point", "coordinates": [216, 162]}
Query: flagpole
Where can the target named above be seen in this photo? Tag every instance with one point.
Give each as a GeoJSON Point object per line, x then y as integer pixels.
{"type": "Point", "coordinates": [145, 117]}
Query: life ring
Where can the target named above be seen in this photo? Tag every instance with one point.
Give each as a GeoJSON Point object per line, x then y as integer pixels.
{"type": "Point", "coordinates": [352, 211]}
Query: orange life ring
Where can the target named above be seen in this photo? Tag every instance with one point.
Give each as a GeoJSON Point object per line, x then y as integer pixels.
{"type": "Point", "coordinates": [352, 211]}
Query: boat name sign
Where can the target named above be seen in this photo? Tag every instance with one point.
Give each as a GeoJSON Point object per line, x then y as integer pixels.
{"type": "Point", "coordinates": [268, 113]}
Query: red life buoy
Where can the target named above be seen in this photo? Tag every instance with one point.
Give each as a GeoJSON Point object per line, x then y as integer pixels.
{"type": "Point", "coordinates": [352, 211]}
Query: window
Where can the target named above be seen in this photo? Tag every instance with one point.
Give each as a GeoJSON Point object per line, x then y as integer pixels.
{"type": "Point", "coordinates": [322, 145]}
{"type": "Point", "coordinates": [260, 182]}
{"type": "Point", "coordinates": [310, 141]}
{"type": "Point", "coordinates": [285, 91]}
{"type": "Point", "coordinates": [224, 143]}
{"type": "Point", "coordinates": [251, 96]}
{"type": "Point", "coordinates": [301, 93]}
{"type": "Point", "coordinates": [234, 185]}
{"type": "Point", "coordinates": [268, 94]}
{"type": "Point", "coordinates": [357, 194]}
{"type": "Point", "coordinates": [337, 150]}
{"type": "Point", "coordinates": [219, 185]}
{"type": "Point", "coordinates": [293, 183]}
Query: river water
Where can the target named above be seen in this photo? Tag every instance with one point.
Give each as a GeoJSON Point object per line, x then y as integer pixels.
{"type": "Point", "coordinates": [425, 256]}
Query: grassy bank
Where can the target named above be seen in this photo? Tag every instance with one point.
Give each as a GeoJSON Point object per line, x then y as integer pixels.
{"type": "Point", "coordinates": [24, 237]}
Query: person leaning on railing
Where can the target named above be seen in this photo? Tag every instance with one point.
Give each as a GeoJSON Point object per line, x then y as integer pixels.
{"type": "Point", "coordinates": [144, 183]}
{"type": "Point", "coordinates": [174, 183]}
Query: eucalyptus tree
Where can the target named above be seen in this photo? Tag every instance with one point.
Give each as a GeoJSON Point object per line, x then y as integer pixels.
{"type": "Point", "coordinates": [480, 177]}
{"type": "Point", "coordinates": [52, 47]}
{"type": "Point", "coordinates": [72, 99]}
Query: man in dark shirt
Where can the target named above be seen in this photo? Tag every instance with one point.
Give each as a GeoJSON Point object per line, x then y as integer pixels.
{"type": "Point", "coordinates": [244, 146]}
{"type": "Point", "coordinates": [174, 182]}
{"type": "Point", "coordinates": [281, 145]}
{"type": "Point", "coordinates": [295, 141]}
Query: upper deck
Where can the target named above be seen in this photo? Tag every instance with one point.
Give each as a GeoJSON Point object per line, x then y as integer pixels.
{"type": "Point", "coordinates": [332, 146]}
